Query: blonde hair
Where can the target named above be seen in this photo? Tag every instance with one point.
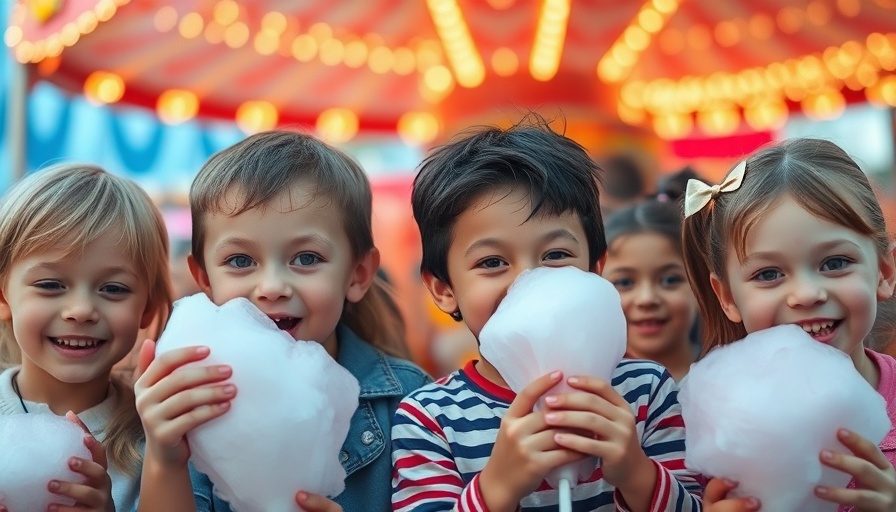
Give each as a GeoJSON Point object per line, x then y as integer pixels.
{"type": "Point", "coordinates": [818, 175]}
{"type": "Point", "coordinates": [73, 205]}
{"type": "Point", "coordinates": [264, 165]}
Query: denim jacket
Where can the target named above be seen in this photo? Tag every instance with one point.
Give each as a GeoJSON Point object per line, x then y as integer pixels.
{"type": "Point", "coordinates": [366, 452]}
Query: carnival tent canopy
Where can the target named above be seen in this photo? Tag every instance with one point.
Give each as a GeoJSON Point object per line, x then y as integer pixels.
{"type": "Point", "coordinates": [424, 67]}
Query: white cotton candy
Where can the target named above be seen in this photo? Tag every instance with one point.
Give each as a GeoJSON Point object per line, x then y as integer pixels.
{"type": "Point", "coordinates": [35, 449]}
{"type": "Point", "coordinates": [292, 411]}
{"type": "Point", "coordinates": [556, 319]}
{"type": "Point", "coordinates": [759, 411]}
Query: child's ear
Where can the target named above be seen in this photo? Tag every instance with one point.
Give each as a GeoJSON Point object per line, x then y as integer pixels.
{"type": "Point", "coordinates": [723, 293]}
{"type": "Point", "coordinates": [5, 311]}
{"type": "Point", "coordinates": [199, 275]}
{"type": "Point", "coordinates": [149, 314]}
{"type": "Point", "coordinates": [441, 292]}
{"type": "Point", "coordinates": [599, 264]}
{"type": "Point", "coordinates": [887, 275]}
{"type": "Point", "coordinates": [363, 275]}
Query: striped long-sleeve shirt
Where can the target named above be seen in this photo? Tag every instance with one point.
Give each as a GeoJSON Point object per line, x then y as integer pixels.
{"type": "Point", "coordinates": [443, 435]}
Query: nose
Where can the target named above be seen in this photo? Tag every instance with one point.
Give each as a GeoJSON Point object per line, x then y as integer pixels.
{"type": "Point", "coordinates": [806, 291]}
{"type": "Point", "coordinates": [645, 295]}
{"type": "Point", "coordinates": [273, 285]}
{"type": "Point", "coordinates": [80, 308]}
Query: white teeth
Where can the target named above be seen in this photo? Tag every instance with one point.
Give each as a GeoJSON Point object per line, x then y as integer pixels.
{"type": "Point", "coordinates": [77, 343]}
{"type": "Point", "coordinates": [814, 327]}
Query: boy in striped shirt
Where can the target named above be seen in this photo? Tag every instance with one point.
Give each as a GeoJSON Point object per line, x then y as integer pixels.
{"type": "Point", "coordinates": [489, 206]}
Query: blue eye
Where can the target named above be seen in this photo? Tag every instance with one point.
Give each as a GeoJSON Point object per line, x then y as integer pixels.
{"type": "Point", "coordinates": [48, 285]}
{"type": "Point", "coordinates": [769, 274]}
{"type": "Point", "coordinates": [115, 289]}
{"type": "Point", "coordinates": [556, 255]}
{"type": "Point", "coordinates": [835, 263]}
{"type": "Point", "coordinates": [624, 283]}
{"type": "Point", "coordinates": [239, 261]}
{"type": "Point", "coordinates": [671, 280]}
{"type": "Point", "coordinates": [491, 263]}
{"type": "Point", "coordinates": [306, 259]}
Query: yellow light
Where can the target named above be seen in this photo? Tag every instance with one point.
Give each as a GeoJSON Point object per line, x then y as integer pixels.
{"type": "Point", "coordinates": [176, 106]}
{"type": "Point", "coordinates": [818, 13]}
{"type": "Point", "coordinates": [650, 20]}
{"type": "Point", "coordinates": [429, 54]}
{"type": "Point", "coordinates": [719, 120]}
{"type": "Point", "coordinates": [867, 74]}
{"type": "Point", "coordinates": [790, 19]}
{"type": "Point", "coordinates": [13, 36]}
{"type": "Point", "coordinates": [623, 55]}
{"type": "Point", "coordinates": [549, 38]}
{"type": "Point", "coordinates": [226, 12]}
{"type": "Point", "coordinates": [850, 8]}
{"type": "Point", "coordinates": [24, 52]}
{"type": "Point", "coordinates": [105, 10]}
{"type": "Point", "coordinates": [355, 53]}
{"type": "Point", "coordinates": [505, 61]}
{"type": "Point", "coordinates": [438, 78]}
{"type": "Point", "coordinates": [165, 19]}
{"type": "Point", "coordinates": [380, 60]}
{"type": "Point", "coordinates": [87, 22]}
{"type": "Point", "coordinates": [43, 10]}
{"type": "Point", "coordinates": [236, 35]}
{"type": "Point", "coordinates": [69, 34]}
{"type": "Point", "coordinates": [610, 71]}
{"type": "Point", "coordinates": [256, 116]}
{"type": "Point", "coordinates": [827, 104]}
{"type": "Point", "coordinates": [888, 90]}
{"type": "Point", "coordinates": [304, 48]}
{"type": "Point", "coordinates": [337, 125]}
{"type": "Point", "coordinates": [672, 126]}
{"type": "Point", "coordinates": [320, 31]}
{"type": "Point", "coordinates": [630, 115]}
{"type": "Point", "coordinates": [417, 128]}
{"type": "Point", "coordinates": [877, 43]}
{"type": "Point", "coordinates": [331, 51]}
{"type": "Point", "coordinates": [405, 62]}
{"type": "Point", "coordinates": [274, 21]}
{"type": "Point", "coordinates": [104, 87]}
{"type": "Point", "coordinates": [54, 46]}
{"type": "Point", "coordinates": [632, 94]}
{"type": "Point", "coordinates": [766, 115]}
{"type": "Point", "coordinates": [665, 6]}
{"type": "Point", "coordinates": [190, 25]}
{"type": "Point", "coordinates": [456, 39]}
{"type": "Point", "coordinates": [636, 38]}
{"type": "Point", "coordinates": [266, 42]}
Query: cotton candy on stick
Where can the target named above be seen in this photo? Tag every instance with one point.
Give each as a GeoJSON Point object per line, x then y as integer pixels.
{"type": "Point", "coordinates": [34, 449]}
{"type": "Point", "coordinates": [760, 411]}
{"type": "Point", "coordinates": [556, 319]}
{"type": "Point", "coordinates": [292, 411]}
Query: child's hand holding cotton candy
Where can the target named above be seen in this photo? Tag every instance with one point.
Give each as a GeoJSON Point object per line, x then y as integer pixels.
{"type": "Point", "coordinates": [760, 411]}
{"type": "Point", "coordinates": [289, 418]}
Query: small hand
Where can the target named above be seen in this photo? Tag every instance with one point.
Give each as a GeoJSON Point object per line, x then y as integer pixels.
{"type": "Point", "coordinates": [96, 492]}
{"type": "Point", "coordinates": [316, 503]}
{"type": "Point", "coordinates": [715, 498]}
{"type": "Point", "coordinates": [874, 475]}
{"type": "Point", "coordinates": [602, 425]}
{"type": "Point", "coordinates": [524, 451]}
{"type": "Point", "coordinates": [172, 400]}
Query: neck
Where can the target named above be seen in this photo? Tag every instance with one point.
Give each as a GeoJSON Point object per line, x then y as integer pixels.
{"type": "Point", "coordinates": [866, 367]}
{"type": "Point", "coordinates": [61, 397]}
{"type": "Point", "coordinates": [490, 373]}
{"type": "Point", "coordinates": [677, 358]}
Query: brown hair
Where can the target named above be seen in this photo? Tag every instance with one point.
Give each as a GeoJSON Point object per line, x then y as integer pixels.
{"type": "Point", "coordinates": [74, 205]}
{"type": "Point", "coordinates": [818, 175]}
{"type": "Point", "coordinates": [261, 167]}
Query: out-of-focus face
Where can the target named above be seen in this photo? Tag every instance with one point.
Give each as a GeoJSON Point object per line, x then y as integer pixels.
{"type": "Point", "coordinates": [647, 270]}
{"type": "Point", "coordinates": [805, 270]}
{"type": "Point", "coordinates": [493, 241]}
{"type": "Point", "coordinates": [291, 257]}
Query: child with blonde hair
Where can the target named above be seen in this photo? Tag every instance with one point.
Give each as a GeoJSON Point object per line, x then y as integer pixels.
{"type": "Point", "coordinates": [795, 235]}
{"type": "Point", "coordinates": [283, 220]}
{"type": "Point", "coordinates": [84, 267]}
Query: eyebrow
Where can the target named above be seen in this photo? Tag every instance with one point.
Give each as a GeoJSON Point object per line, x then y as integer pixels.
{"type": "Point", "coordinates": [827, 246]}
{"type": "Point", "coordinates": [53, 266]}
{"type": "Point", "coordinates": [237, 241]}
{"type": "Point", "coordinates": [561, 233]}
{"type": "Point", "coordinates": [664, 268]}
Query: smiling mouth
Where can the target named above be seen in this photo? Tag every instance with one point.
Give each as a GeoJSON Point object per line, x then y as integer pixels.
{"type": "Point", "coordinates": [820, 329]}
{"type": "Point", "coordinates": [79, 344]}
{"type": "Point", "coordinates": [287, 323]}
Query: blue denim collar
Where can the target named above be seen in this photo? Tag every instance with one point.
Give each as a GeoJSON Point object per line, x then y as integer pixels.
{"type": "Point", "coordinates": [368, 365]}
